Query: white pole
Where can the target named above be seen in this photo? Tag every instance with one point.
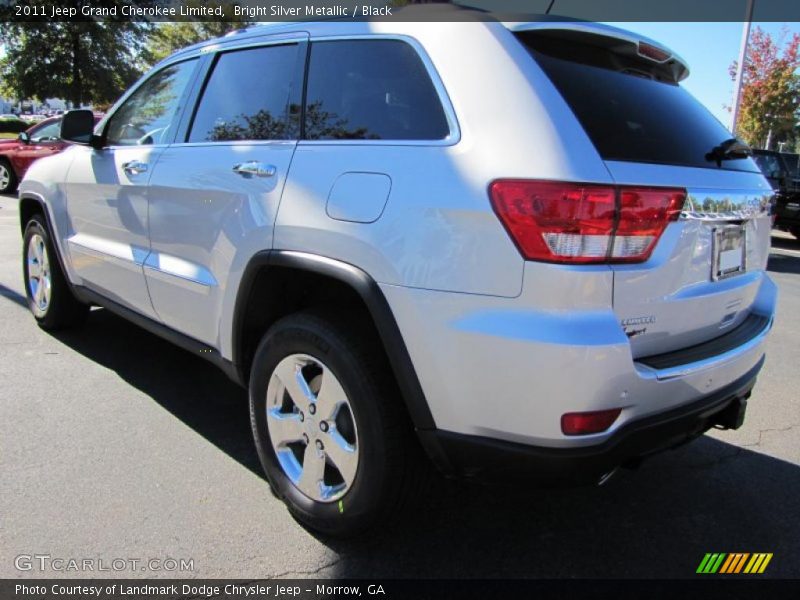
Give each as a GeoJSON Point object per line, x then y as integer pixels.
{"type": "Point", "coordinates": [737, 86]}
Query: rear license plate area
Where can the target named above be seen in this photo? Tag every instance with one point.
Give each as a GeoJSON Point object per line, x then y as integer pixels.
{"type": "Point", "coordinates": [728, 252]}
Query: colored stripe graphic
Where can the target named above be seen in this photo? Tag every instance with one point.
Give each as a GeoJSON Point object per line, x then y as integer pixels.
{"type": "Point", "coordinates": [734, 563]}
{"type": "Point", "coordinates": [732, 559]}
{"type": "Point", "coordinates": [765, 563]}
{"type": "Point", "coordinates": [711, 563]}
{"type": "Point", "coordinates": [758, 563]}
{"type": "Point", "coordinates": [703, 563]}
{"type": "Point", "coordinates": [741, 562]}
{"type": "Point", "coordinates": [716, 565]}
{"type": "Point", "coordinates": [724, 563]}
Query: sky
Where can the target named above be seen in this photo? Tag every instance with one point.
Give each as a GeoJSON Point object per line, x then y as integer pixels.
{"type": "Point", "coordinates": [709, 48]}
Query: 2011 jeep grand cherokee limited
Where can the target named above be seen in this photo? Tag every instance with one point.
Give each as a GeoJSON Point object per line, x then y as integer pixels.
{"type": "Point", "coordinates": [523, 250]}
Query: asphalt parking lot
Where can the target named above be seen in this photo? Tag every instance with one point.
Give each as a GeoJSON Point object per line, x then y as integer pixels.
{"type": "Point", "coordinates": [115, 444]}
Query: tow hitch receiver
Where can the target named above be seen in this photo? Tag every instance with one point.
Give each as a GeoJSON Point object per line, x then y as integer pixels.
{"type": "Point", "coordinates": [732, 416]}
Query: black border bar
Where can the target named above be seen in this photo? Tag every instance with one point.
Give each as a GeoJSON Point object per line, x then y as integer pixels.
{"type": "Point", "coordinates": [394, 10]}
{"type": "Point", "coordinates": [708, 587]}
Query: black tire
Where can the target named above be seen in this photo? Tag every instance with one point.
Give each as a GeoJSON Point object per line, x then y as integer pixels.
{"type": "Point", "coordinates": [62, 309]}
{"type": "Point", "coordinates": [390, 464]}
{"type": "Point", "coordinates": [8, 178]}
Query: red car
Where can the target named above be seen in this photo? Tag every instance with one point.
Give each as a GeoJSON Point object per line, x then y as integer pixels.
{"type": "Point", "coordinates": [17, 155]}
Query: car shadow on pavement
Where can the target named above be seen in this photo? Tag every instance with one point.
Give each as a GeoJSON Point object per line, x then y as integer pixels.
{"type": "Point", "coordinates": [783, 263]}
{"type": "Point", "coordinates": [187, 386]}
{"type": "Point", "coordinates": [658, 521]}
{"type": "Point", "coordinates": [13, 296]}
{"type": "Point", "coordinates": [782, 241]}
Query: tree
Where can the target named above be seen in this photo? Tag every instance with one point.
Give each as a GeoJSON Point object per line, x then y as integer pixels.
{"type": "Point", "coordinates": [81, 61]}
{"type": "Point", "coordinates": [770, 102]}
{"type": "Point", "coordinates": [170, 37]}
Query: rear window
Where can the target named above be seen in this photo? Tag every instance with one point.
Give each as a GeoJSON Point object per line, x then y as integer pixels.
{"type": "Point", "coordinates": [627, 112]}
{"type": "Point", "coordinates": [371, 90]}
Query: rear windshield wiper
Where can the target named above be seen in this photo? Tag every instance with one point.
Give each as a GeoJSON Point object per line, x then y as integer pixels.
{"type": "Point", "coordinates": [729, 150]}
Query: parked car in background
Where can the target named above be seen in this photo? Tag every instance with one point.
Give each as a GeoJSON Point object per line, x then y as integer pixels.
{"type": "Point", "coordinates": [16, 155]}
{"type": "Point", "coordinates": [792, 162]}
{"type": "Point", "coordinates": [781, 170]}
{"type": "Point", "coordinates": [11, 125]}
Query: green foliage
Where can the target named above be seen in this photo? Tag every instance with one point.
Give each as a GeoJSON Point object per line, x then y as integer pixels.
{"type": "Point", "coordinates": [8, 125]}
{"type": "Point", "coordinates": [83, 62]}
{"type": "Point", "coordinates": [171, 37]}
{"type": "Point", "coordinates": [770, 100]}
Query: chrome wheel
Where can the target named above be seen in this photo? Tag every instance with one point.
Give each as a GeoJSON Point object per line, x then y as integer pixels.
{"type": "Point", "coordinates": [39, 276]}
{"type": "Point", "coordinates": [311, 427]}
{"type": "Point", "coordinates": [5, 177]}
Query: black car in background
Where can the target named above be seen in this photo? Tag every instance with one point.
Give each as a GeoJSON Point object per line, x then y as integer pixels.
{"type": "Point", "coordinates": [783, 172]}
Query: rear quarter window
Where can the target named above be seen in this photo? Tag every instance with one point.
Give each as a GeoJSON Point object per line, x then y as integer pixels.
{"type": "Point", "coordinates": [371, 90]}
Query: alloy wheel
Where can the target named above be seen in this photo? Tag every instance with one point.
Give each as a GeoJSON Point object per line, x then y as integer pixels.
{"type": "Point", "coordinates": [311, 427]}
{"type": "Point", "coordinates": [5, 177]}
{"type": "Point", "coordinates": [39, 275]}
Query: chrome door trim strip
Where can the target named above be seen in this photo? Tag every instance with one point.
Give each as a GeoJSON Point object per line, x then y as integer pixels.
{"type": "Point", "coordinates": [119, 250]}
{"type": "Point", "coordinates": [174, 266]}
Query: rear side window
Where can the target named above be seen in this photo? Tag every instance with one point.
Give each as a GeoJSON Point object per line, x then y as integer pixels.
{"type": "Point", "coordinates": [247, 95]}
{"type": "Point", "coordinates": [371, 90]}
{"type": "Point", "coordinates": [628, 113]}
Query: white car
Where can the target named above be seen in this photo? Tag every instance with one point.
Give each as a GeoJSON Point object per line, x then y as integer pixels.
{"type": "Point", "coordinates": [521, 250]}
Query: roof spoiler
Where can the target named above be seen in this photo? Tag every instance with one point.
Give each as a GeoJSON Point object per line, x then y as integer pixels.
{"type": "Point", "coordinates": [619, 41]}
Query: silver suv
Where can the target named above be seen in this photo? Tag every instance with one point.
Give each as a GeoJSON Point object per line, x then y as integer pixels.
{"type": "Point", "coordinates": [523, 250]}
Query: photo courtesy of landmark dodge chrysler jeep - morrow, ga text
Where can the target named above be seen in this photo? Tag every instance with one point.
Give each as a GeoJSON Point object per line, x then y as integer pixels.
{"type": "Point", "coordinates": [518, 252]}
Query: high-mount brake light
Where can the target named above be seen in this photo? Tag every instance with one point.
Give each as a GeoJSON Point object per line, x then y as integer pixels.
{"type": "Point", "coordinates": [564, 222]}
{"type": "Point", "coordinates": [653, 53]}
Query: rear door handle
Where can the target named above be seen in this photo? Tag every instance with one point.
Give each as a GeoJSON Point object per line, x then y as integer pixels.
{"type": "Point", "coordinates": [254, 168]}
{"type": "Point", "coordinates": [134, 167]}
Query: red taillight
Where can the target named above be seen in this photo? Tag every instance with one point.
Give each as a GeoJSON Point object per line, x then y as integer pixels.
{"type": "Point", "coordinates": [584, 223]}
{"type": "Point", "coordinates": [584, 423]}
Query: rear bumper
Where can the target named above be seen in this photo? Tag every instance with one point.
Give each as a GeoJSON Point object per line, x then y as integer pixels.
{"type": "Point", "coordinates": [491, 460]}
{"type": "Point", "coordinates": [500, 369]}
